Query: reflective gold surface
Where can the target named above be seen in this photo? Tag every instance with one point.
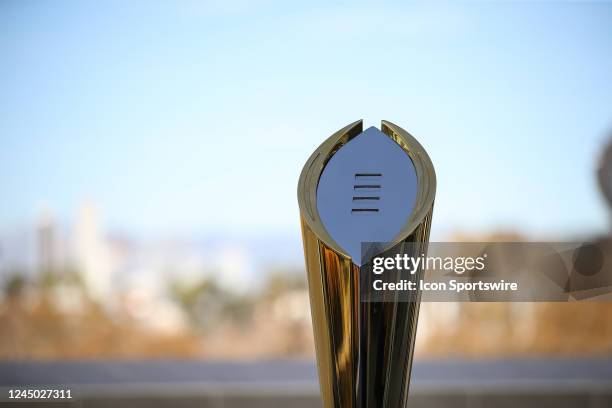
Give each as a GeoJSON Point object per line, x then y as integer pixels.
{"type": "Point", "coordinates": [364, 350]}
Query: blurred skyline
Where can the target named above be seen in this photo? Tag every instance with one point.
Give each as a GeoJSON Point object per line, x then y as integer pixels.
{"type": "Point", "coordinates": [198, 116]}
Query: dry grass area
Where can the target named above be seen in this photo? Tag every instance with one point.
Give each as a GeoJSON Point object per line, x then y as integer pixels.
{"type": "Point", "coordinates": [481, 330]}
{"type": "Point", "coordinates": [41, 332]}
{"type": "Point", "coordinates": [523, 329]}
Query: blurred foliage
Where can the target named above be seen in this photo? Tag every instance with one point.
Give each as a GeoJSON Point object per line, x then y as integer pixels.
{"type": "Point", "coordinates": [14, 284]}
{"type": "Point", "coordinates": [66, 276]}
{"type": "Point", "coordinates": [282, 281]}
{"type": "Point", "coordinates": [206, 303]}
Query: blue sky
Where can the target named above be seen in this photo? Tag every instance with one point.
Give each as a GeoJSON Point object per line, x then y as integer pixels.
{"type": "Point", "coordinates": [198, 116]}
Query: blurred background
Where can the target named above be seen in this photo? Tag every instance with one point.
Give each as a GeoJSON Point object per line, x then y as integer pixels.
{"type": "Point", "coordinates": [150, 152]}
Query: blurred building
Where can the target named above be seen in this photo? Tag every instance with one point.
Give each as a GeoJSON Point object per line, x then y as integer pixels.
{"type": "Point", "coordinates": [46, 243]}
{"type": "Point", "coordinates": [91, 253]}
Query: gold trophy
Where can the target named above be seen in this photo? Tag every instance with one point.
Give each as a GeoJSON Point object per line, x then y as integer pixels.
{"type": "Point", "coordinates": [363, 186]}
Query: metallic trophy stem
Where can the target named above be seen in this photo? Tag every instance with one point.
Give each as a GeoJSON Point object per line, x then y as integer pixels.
{"type": "Point", "coordinates": [364, 349]}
